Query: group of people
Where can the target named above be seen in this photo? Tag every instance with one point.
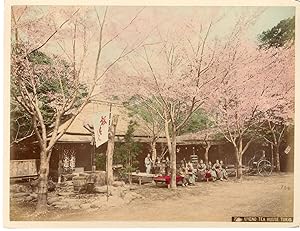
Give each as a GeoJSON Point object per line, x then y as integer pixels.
{"type": "Point", "coordinates": [161, 166]}
{"type": "Point", "coordinates": [202, 172]}
{"type": "Point", "coordinates": [190, 172]}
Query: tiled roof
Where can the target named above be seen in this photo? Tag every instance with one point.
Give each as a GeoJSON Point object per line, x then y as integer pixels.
{"type": "Point", "coordinates": [210, 134]}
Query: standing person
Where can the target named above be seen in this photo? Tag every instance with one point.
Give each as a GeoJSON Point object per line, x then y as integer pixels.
{"type": "Point", "coordinates": [60, 170]}
{"type": "Point", "coordinates": [184, 161]}
{"type": "Point", "coordinates": [163, 167]}
{"type": "Point", "coordinates": [167, 166]}
{"type": "Point", "coordinates": [148, 164]}
{"type": "Point", "coordinates": [157, 166]}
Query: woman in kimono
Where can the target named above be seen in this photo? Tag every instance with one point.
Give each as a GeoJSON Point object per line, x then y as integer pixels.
{"type": "Point", "coordinates": [218, 170]}
{"type": "Point", "coordinates": [201, 168]}
{"type": "Point", "coordinates": [183, 174]}
{"type": "Point", "coordinates": [224, 172]}
{"type": "Point", "coordinates": [191, 173]}
{"type": "Point", "coordinates": [210, 174]}
{"type": "Point", "coordinates": [148, 164]}
{"type": "Point", "coordinates": [157, 166]}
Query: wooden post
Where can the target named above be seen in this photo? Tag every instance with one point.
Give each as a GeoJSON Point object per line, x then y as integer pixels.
{"type": "Point", "coordinates": [110, 149]}
{"type": "Point", "coordinates": [93, 157]}
{"type": "Point", "coordinates": [272, 156]}
{"type": "Point", "coordinates": [129, 178]}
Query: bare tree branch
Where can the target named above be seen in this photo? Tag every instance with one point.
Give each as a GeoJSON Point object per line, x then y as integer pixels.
{"type": "Point", "coordinates": [48, 39]}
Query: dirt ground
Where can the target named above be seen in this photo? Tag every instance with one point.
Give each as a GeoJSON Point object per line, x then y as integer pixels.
{"type": "Point", "coordinates": [206, 201]}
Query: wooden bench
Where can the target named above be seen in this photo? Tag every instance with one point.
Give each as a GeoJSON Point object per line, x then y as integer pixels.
{"type": "Point", "coordinates": [141, 176]}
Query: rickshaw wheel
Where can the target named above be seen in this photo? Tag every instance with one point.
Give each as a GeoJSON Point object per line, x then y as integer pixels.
{"type": "Point", "coordinates": [264, 168]}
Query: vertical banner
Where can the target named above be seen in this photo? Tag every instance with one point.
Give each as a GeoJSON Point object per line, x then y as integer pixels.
{"type": "Point", "coordinates": [101, 123]}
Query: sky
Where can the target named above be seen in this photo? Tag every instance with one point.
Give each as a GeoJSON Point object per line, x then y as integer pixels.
{"type": "Point", "coordinates": [267, 18]}
{"type": "Point", "coordinates": [166, 18]}
{"type": "Point", "coordinates": [271, 17]}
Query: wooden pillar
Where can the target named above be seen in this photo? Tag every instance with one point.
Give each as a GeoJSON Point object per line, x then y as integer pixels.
{"type": "Point", "coordinates": [93, 156]}
{"type": "Point", "coordinates": [110, 149]}
{"type": "Point", "coordinates": [272, 155]}
{"type": "Point", "coordinates": [221, 154]}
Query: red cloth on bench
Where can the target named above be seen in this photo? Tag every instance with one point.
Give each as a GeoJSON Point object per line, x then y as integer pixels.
{"type": "Point", "coordinates": [167, 179]}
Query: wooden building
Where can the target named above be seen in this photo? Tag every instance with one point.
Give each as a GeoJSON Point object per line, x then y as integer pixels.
{"type": "Point", "coordinates": [76, 145]}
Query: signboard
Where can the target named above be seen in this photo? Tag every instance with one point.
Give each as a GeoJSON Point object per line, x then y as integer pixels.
{"type": "Point", "coordinates": [101, 123]}
{"type": "Point", "coordinates": [287, 150]}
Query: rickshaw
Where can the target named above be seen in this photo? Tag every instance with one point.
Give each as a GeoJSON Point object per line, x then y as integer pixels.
{"type": "Point", "coordinates": [261, 167]}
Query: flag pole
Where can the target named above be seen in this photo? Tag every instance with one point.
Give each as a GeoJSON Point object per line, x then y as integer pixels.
{"type": "Point", "coordinates": [109, 130]}
{"type": "Point", "coordinates": [94, 154]}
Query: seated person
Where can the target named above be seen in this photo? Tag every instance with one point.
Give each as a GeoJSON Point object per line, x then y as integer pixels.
{"type": "Point", "coordinates": [223, 170]}
{"type": "Point", "coordinates": [263, 156]}
{"type": "Point", "coordinates": [218, 170]}
{"type": "Point", "coordinates": [210, 174]}
{"type": "Point", "coordinates": [257, 159]}
{"type": "Point", "coordinates": [183, 162]}
{"type": "Point", "coordinates": [201, 170]}
{"type": "Point", "coordinates": [183, 173]}
{"type": "Point", "coordinates": [191, 173]}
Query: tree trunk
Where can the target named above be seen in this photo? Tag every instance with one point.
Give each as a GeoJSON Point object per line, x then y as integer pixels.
{"type": "Point", "coordinates": [272, 155]}
{"type": "Point", "coordinates": [93, 156]}
{"type": "Point", "coordinates": [239, 164]}
{"type": "Point", "coordinates": [110, 149]}
{"type": "Point", "coordinates": [207, 147]}
{"type": "Point", "coordinates": [153, 148]}
{"type": "Point", "coordinates": [173, 161]}
{"type": "Point", "coordinates": [277, 158]}
{"type": "Point", "coordinates": [43, 183]}
{"type": "Point", "coordinates": [171, 141]}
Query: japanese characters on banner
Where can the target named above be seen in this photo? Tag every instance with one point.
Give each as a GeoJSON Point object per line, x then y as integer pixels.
{"type": "Point", "coordinates": [101, 123]}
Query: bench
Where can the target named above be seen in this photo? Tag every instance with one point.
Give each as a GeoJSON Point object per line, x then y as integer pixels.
{"type": "Point", "coordinates": [167, 179]}
{"type": "Point", "coordinates": [142, 177]}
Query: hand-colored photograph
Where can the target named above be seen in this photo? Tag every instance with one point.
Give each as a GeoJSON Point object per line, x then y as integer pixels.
{"type": "Point", "coordinates": [151, 113]}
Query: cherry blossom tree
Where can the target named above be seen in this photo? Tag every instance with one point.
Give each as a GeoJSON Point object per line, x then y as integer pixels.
{"type": "Point", "coordinates": [176, 72]}
{"type": "Point", "coordinates": [65, 34]}
{"type": "Point", "coordinates": [273, 133]}
{"type": "Point", "coordinates": [150, 122]}
{"type": "Point", "coordinates": [182, 69]}
{"type": "Point", "coordinates": [279, 118]}
{"type": "Point", "coordinates": [281, 35]}
{"type": "Point", "coordinates": [260, 86]}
